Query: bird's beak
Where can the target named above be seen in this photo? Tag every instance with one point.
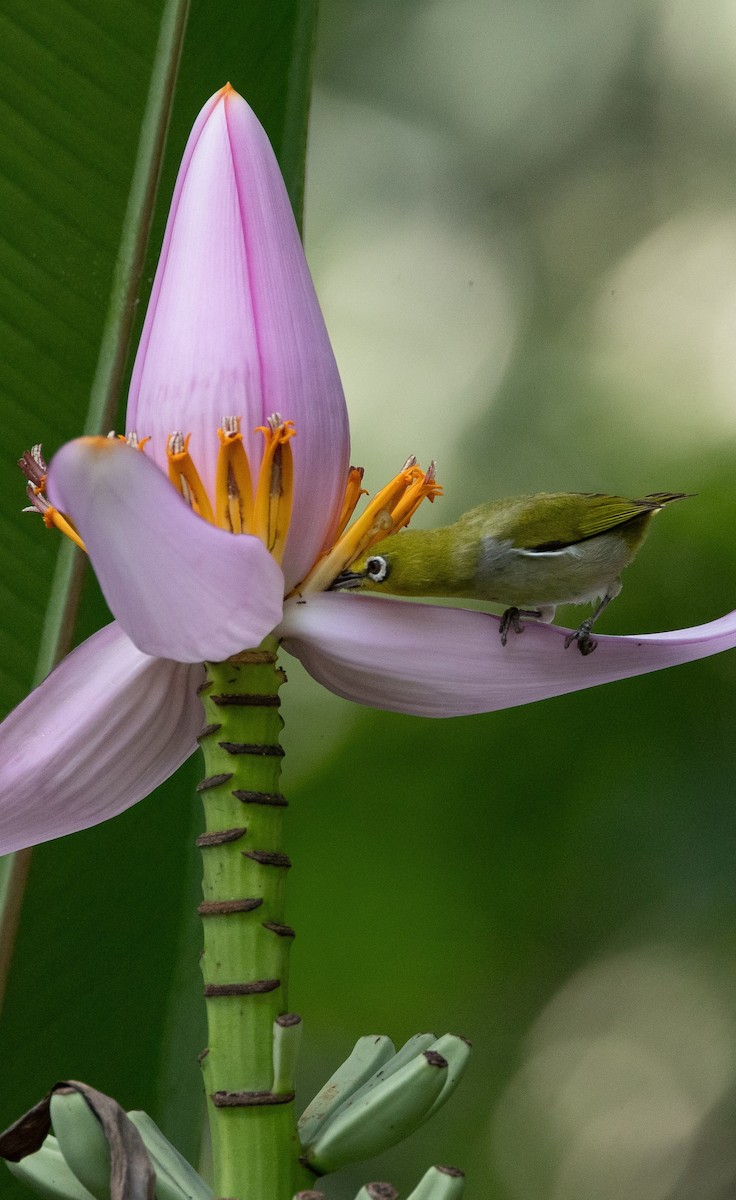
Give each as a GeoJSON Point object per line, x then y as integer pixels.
{"type": "Point", "coordinates": [347, 579]}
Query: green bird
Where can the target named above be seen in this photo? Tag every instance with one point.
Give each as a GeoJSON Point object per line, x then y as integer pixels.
{"type": "Point", "coordinates": [529, 553]}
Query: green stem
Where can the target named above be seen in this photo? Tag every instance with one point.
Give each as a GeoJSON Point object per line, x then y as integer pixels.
{"type": "Point", "coordinates": [246, 942]}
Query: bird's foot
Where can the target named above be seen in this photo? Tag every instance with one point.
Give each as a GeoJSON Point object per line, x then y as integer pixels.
{"type": "Point", "coordinates": [586, 643]}
{"type": "Point", "coordinates": [511, 619]}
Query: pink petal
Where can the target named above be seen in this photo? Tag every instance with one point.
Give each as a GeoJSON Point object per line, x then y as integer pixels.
{"type": "Point", "coordinates": [444, 662]}
{"type": "Point", "coordinates": [100, 733]}
{"type": "Point", "coordinates": [179, 587]}
{"type": "Point", "coordinates": [234, 326]}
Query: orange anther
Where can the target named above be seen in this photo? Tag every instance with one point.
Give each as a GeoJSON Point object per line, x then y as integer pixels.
{"type": "Point", "coordinates": [275, 490]}
{"type": "Point", "coordinates": [53, 519]}
{"type": "Point", "coordinates": [233, 485]}
{"type": "Point", "coordinates": [185, 477]}
{"type": "Point", "coordinates": [353, 492]}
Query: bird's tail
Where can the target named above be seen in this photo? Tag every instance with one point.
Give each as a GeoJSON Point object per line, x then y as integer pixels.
{"type": "Point", "coordinates": [659, 499]}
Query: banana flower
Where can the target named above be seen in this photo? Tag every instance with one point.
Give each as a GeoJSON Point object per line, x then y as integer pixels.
{"type": "Point", "coordinates": [222, 518]}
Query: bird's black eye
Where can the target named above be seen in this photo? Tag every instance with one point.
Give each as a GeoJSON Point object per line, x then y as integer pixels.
{"type": "Point", "coordinates": [376, 569]}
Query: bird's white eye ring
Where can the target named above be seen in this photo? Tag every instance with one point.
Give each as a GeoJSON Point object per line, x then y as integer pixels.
{"type": "Point", "coordinates": [376, 569]}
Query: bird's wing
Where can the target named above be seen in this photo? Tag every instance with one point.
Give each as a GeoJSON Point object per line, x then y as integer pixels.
{"type": "Point", "coordinates": [560, 520]}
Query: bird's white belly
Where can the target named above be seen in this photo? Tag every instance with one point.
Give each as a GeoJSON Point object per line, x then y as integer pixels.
{"type": "Point", "coordinates": [576, 574]}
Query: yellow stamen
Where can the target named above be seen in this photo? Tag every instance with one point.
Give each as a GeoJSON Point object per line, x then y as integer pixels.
{"type": "Point", "coordinates": [390, 510]}
{"type": "Point", "coordinates": [53, 519]}
{"type": "Point", "coordinates": [423, 487]}
{"type": "Point", "coordinates": [268, 515]}
{"type": "Point", "coordinates": [275, 491]}
{"type": "Point", "coordinates": [131, 439]}
{"type": "Point", "coordinates": [185, 477]}
{"type": "Point", "coordinates": [353, 492]}
{"type": "Point", "coordinates": [233, 484]}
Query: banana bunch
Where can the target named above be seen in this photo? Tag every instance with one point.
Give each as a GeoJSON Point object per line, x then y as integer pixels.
{"type": "Point", "coordinates": [378, 1097]}
{"type": "Point", "coordinates": [440, 1183]}
{"type": "Point", "coordinates": [375, 1099]}
{"type": "Point", "coordinates": [75, 1163]}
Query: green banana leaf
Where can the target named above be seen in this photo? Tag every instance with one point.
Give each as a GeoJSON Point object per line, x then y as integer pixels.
{"type": "Point", "coordinates": [100, 936]}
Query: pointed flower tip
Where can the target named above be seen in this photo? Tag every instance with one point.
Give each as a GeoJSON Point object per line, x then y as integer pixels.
{"type": "Point", "coordinates": [227, 92]}
{"type": "Point", "coordinates": [230, 95]}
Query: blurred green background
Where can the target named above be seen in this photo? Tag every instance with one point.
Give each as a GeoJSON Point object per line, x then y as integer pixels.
{"type": "Point", "coordinates": [521, 218]}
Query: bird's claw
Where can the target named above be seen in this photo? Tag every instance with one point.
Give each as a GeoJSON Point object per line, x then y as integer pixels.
{"type": "Point", "coordinates": [586, 643]}
{"type": "Point", "coordinates": [510, 620]}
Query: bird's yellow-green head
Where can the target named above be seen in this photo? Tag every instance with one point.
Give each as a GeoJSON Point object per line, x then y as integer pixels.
{"type": "Point", "coordinates": [409, 563]}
